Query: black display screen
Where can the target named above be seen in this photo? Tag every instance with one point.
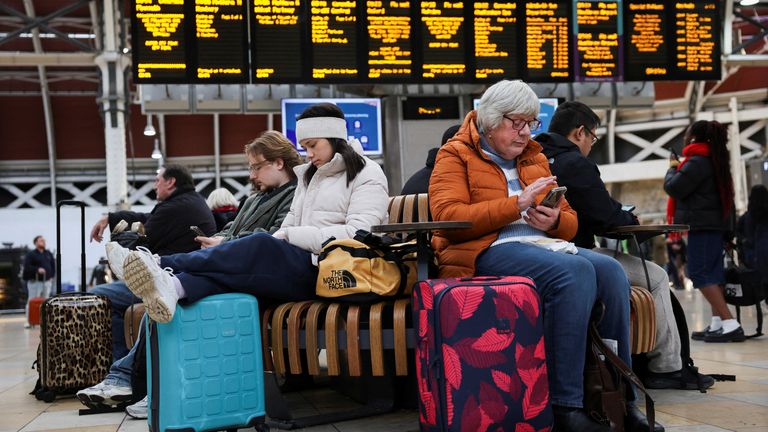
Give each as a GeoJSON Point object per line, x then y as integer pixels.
{"type": "Point", "coordinates": [424, 41]}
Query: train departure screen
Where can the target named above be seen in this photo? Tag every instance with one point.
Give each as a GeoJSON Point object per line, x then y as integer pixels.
{"type": "Point", "coordinates": [390, 53]}
{"type": "Point", "coordinates": [424, 41]}
{"type": "Point", "coordinates": [598, 40]}
{"type": "Point", "coordinates": [697, 39]}
{"type": "Point", "coordinates": [276, 40]}
{"type": "Point", "coordinates": [546, 41]}
{"type": "Point", "coordinates": [333, 25]}
{"type": "Point", "coordinates": [496, 48]}
{"type": "Point", "coordinates": [220, 32]}
{"type": "Point", "coordinates": [159, 41]}
{"type": "Point", "coordinates": [442, 34]}
{"type": "Point", "coordinates": [647, 50]}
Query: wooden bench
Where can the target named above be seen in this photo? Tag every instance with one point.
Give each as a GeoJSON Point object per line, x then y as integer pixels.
{"type": "Point", "coordinates": [371, 341]}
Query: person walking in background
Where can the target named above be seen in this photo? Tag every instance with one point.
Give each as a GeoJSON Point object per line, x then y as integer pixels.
{"type": "Point", "coordinates": [39, 269]}
{"type": "Point", "coordinates": [700, 190]}
{"type": "Point", "coordinates": [419, 181]}
{"type": "Point", "coordinates": [223, 205]}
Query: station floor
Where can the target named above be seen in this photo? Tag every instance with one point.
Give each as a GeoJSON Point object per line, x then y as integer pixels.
{"type": "Point", "coordinates": [729, 406]}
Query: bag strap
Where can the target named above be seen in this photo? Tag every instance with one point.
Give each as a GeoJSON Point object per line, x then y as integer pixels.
{"type": "Point", "coordinates": [624, 370]}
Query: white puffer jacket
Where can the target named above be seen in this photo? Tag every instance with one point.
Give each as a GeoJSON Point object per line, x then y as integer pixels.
{"type": "Point", "coordinates": [327, 207]}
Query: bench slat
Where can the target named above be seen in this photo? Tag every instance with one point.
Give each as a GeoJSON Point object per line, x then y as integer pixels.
{"type": "Point", "coordinates": [377, 349]}
{"type": "Point", "coordinates": [277, 336]}
{"type": "Point", "coordinates": [313, 316]}
{"type": "Point", "coordinates": [401, 353]}
{"type": "Point", "coordinates": [353, 340]}
{"type": "Point", "coordinates": [332, 323]}
{"type": "Point", "coordinates": [294, 328]}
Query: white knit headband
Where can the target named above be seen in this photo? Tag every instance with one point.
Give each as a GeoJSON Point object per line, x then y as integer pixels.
{"type": "Point", "coordinates": [321, 127]}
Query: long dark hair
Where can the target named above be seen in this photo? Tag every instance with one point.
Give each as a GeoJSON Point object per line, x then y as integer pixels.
{"type": "Point", "coordinates": [716, 135]}
{"type": "Point", "coordinates": [354, 162]}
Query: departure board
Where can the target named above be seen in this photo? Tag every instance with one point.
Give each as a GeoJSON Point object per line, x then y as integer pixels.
{"type": "Point", "coordinates": [598, 40]}
{"type": "Point", "coordinates": [424, 41]}
{"type": "Point", "coordinates": [443, 45]}
{"type": "Point", "coordinates": [647, 45]}
{"type": "Point", "coordinates": [276, 40]}
{"type": "Point", "coordinates": [159, 48]}
{"type": "Point", "coordinates": [547, 44]}
{"type": "Point", "coordinates": [333, 26]}
{"type": "Point", "coordinates": [390, 53]}
{"type": "Point", "coordinates": [697, 36]}
{"type": "Point", "coordinates": [495, 36]}
{"type": "Point", "coordinates": [220, 34]}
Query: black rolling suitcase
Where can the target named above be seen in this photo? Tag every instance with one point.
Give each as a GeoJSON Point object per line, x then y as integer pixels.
{"type": "Point", "coordinates": [75, 348]}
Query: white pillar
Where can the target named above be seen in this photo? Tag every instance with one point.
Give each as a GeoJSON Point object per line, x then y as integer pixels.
{"type": "Point", "coordinates": [737, 165]}
{"type": "Point", "coordinates": [112, 64]}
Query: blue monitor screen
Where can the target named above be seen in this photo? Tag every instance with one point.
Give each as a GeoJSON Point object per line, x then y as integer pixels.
{"type": "Point", "coordinates": [363, 120]}
{"type": "Point", "coordinates": [547, 107]}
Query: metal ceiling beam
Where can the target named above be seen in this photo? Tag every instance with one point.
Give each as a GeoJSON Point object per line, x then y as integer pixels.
{"type": "Point", "coordinates": [747, 59]}
{"type": "Point", "coordinates": [18, 58]}
{"type": "Point", "coordinates": [33, 23]}
{"type": "Point", "coordinates": [49, 137]}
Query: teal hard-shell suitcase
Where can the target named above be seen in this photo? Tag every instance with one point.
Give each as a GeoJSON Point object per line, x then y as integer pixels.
{"type": "Point", "coordinates": [204, 368]}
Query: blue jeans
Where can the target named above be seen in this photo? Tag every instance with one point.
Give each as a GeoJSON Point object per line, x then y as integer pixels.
{"type": "Point", "coordinates": [121, 298]}
{"type": "Point", "coordinates": [568, 286]}
{"type": "Point", "coordinates": [120, 371]}
{"type": "Point", "coordinates": [259, 264]}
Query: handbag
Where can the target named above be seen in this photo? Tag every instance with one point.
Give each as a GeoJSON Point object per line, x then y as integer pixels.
{"type": "Point", "coordinates": [366, 268]}
{"type": "Point", "coordinates": [131, 239]}
{"type": "Point", "coordinates": [604, 380]}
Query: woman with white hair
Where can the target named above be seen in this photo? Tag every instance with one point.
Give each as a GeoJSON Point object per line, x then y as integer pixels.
{"type": "Point", "coordinates": [339, 191]}
{"type": "Point", "coordinates": [223, 206]}
{"type": "Point", "coordinates": [493, 174]}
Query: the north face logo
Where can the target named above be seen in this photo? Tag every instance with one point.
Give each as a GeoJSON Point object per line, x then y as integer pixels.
{"type": "Point", "coordinates": [340, 279]}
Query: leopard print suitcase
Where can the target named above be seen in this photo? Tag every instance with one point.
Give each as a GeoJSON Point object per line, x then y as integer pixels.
{"type": "Point", "coordinates": [75, 348]}
{"type": "Point", "coordinates": [75, 343]}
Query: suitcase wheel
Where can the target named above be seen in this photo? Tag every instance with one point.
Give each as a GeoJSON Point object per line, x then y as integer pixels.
{"type": "Point", "coordinates": [262, 428]}
{"type": "Point", "coordinates": [45, 396]}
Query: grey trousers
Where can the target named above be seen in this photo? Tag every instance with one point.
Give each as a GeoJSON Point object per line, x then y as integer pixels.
{"type": "Point", "coordinates": [666, 356]}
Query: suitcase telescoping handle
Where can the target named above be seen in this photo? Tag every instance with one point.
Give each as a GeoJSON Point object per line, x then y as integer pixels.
{"type": "Point", "coordinates": [59, 205]}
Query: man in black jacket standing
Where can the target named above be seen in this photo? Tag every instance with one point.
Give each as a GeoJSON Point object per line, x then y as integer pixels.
{"type": "Point", "coordinates": [39, 269]}
{"type": "Point", "coordinates": [167, 230]}
{"type": "Point", "coordinates": [571, 135]}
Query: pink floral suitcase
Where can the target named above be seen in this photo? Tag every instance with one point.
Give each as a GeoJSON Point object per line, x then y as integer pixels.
{"type": "Point", "coordinates": [480, 355]}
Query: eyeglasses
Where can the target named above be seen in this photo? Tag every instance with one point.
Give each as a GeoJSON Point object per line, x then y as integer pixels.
{"type": "Point", "coordinates": [594, 137]}
{"type": "Point", "coordinates": [519, 124]}
{"type": "Point", "coordinates": [257, 166]}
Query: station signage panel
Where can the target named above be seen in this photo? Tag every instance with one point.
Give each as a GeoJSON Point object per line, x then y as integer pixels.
{"type": "Point", "coordinates": [424, 41]}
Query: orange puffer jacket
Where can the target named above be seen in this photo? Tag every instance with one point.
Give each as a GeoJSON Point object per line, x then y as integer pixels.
{"type": "Point", "coordinates": [467, 185]}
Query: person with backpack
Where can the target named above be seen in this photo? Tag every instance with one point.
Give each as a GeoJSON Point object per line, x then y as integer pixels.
{"type": "Point", "coordinates": [700, 189]}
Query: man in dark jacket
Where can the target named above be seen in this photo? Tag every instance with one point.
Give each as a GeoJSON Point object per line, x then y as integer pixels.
{"type": "Point", "coordinates": [167, 225]}
{"type": "Point", "coordinates": [419, 181]}
{"type": "Point", "coordinates": [167, 230]}
{"type": "Point", "coordinates": [571, 135]}
{"type": "Point", "coordinates": [39, 269]}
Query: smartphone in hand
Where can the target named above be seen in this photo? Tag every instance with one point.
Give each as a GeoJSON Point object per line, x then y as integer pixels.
{"type": "Point", "coordinates": [197, 230]}
{"type": "Point", "coordinates": [553, 197]}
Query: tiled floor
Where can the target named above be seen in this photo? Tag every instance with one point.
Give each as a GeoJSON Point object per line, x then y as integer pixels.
{"type": "Point", "coordinates": [730, 406]}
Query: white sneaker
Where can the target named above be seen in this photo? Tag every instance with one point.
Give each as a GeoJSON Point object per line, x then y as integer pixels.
{"type": "Point", "coordinates": [104, 393]}
{"type": "Point", "coordinates": [116, 255]}
{"type": "Point", "coordinates": [152, 284]}
{"type": "Point", "coordinates": [139, 409]}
